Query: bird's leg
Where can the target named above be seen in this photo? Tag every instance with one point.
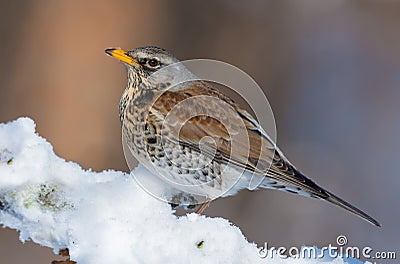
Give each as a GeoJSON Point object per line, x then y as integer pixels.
{"type": "Point", "coordinates": [203, 206]}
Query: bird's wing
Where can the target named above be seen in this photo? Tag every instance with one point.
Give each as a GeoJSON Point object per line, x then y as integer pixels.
{"type": "Point", "coordinates": [199, 111]}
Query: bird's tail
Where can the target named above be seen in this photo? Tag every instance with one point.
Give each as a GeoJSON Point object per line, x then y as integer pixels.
{"type": "Point", "coordinates": [293, 181]}
{"type": "Point", "coordinates": [323, 194]}
{"type": "Point", "coordinates": [342, 203]}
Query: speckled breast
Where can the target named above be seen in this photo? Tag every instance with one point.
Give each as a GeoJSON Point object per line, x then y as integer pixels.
{"type": "Point", "coordinates": [150, 141]}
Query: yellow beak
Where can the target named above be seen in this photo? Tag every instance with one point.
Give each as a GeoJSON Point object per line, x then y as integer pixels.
{"type": "Point", "coordinates": [121, 55]}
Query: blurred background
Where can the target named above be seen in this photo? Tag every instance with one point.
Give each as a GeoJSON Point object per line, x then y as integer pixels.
{"type": "Point", "coordinates": [331, 70]}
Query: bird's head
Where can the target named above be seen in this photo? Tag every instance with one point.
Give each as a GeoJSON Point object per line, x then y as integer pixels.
{"type": "Point", "coordinates": [144, 61]}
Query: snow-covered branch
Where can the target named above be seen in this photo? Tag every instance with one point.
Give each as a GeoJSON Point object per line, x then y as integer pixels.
{"type": "Point", "coordinates": [105, 217]}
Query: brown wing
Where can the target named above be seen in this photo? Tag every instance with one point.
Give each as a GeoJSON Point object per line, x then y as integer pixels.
{"type": "Point", "coordinates": [198, 111]}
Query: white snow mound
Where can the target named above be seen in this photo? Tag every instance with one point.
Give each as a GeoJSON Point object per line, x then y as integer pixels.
{"type": "Point", "coordinates": [105, 217]}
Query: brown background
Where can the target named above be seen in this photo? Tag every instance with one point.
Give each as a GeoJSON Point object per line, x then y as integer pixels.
{"type": "Point", "coordinates": [331, 70]}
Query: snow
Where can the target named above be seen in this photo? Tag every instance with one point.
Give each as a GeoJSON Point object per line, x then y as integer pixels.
{"type": "Point", "coordinates": [106, 217]}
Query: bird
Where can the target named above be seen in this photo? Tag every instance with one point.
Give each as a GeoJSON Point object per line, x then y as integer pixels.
{"type": "Point", "coordinates": [181, 129]}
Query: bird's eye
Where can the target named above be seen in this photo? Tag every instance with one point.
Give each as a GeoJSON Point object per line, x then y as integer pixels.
{"type": "Point", "coordinates": [153, 62]}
